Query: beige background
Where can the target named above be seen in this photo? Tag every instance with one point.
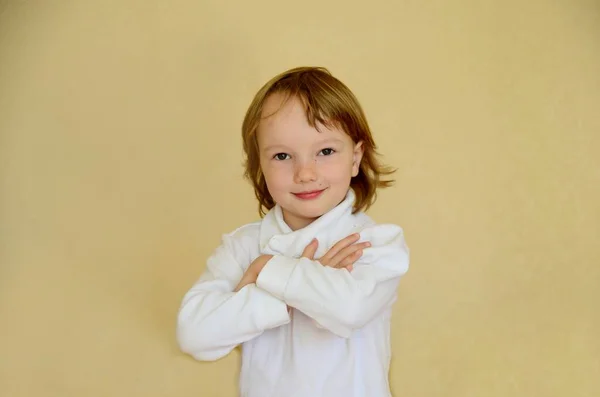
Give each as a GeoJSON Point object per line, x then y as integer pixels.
{"type": "Point", "coordinates": [121, 166]}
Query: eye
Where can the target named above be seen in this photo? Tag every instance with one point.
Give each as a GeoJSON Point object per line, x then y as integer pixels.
{"type": "Point", "coordinates": [281, 156]}
{"type": "Point", "coordinates": [327, 151]}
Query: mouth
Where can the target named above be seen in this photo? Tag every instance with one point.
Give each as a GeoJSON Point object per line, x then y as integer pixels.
{"type": "Point", "coordinates": [309, 195]}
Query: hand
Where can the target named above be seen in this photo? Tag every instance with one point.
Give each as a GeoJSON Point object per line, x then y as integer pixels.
{"type": "Point", "coordinates": [343, 254]}
{"type": "Point", "coordinates": [253, 271]}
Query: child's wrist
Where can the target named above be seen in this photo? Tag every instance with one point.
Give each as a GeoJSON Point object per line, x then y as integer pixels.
{"type": "Point", "coordinates": [260, 263]}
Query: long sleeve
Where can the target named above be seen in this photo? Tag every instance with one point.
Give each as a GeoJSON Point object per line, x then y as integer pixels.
{"type": "Point", "coordinates": [339, 300]}
{"type": "Point", "coordinates": [213, 319]}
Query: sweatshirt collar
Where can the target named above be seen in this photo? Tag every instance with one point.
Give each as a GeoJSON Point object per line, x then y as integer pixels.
{"type": "Point", "coordinates": [276, 237]}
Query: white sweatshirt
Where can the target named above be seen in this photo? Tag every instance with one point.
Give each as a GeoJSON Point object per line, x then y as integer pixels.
{"type": "Point", "coordinates": [336, 340]}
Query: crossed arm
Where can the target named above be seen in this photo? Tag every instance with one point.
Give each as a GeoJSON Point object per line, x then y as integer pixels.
{"type": "Point", "coordinates": [228, 306]}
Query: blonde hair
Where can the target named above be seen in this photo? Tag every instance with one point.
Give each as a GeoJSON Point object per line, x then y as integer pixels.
{"type": "Point", "coordinates": [328, 102]}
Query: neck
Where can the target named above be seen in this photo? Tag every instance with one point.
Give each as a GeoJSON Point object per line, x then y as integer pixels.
{"type": "Point", "coordinates": [295, 222]}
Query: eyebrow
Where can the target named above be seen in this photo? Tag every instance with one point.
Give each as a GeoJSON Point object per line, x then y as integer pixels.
{"type": "Point", "coordinates": [284, 147]}
{"type": "Point", "coordinates": [274, 147]}
{"type": "Point", "coordinates": [331, 140]}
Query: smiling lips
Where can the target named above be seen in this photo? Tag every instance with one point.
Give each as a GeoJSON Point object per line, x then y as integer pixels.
{"type": "Point", "coordinates": [313, 194]}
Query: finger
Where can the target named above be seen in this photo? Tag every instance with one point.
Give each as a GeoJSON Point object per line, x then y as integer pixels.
{"type": "Point", "coordinates": [350, 268]}
{"type": "Point", "coordinates": [311, 249]}
{"type": "Point", "coordinates": [349, 255]}
{"type": "Point", "coordinates": [355, 255]}
{"type": "Point", "coordinates": [351, 239]}
{"type": "Point", "coordinates": [350, 259]}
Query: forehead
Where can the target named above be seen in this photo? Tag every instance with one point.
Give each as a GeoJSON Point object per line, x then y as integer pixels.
{"type": "Point", "coordinates": [284, 118]}
{"type": "Point", "coordinates": [279, 110]}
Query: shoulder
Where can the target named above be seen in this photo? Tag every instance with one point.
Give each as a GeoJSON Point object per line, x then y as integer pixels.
{"type": "Point", "coordinates": [245, 235]}
{"type": "Point", "coordinates": [378, 234]}
{"type": "Point", "coordinates": [243, 241]}
{"type": "Point", "coordinates": [388, 246]}
{"type": "Point", "coordinates": [249, 230]}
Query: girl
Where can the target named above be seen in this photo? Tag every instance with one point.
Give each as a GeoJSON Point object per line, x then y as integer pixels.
{"type": "Point", "coordinates": [307, 290]}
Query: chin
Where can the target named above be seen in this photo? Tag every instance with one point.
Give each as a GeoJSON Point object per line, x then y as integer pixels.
{"type": "Point", "coordinates": [314, 213]}
{"type": "Point", "coordinates": [309, 214]}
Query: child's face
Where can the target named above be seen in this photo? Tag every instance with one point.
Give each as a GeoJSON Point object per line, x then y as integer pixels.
{"type": "Point", "coordinates": [307, 171]}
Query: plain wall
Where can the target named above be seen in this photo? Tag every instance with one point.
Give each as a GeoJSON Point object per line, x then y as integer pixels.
{"type": "Point", "coordinates": [120, 167]}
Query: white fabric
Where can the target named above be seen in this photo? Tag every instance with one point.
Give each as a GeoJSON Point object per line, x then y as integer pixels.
{"type": "Point", "coordinates": [336, 340]}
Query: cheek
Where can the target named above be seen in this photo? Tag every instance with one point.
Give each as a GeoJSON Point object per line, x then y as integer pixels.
{"type": "Point", "coordinates": [340, 169]}
{"type": "Point", "coordinates": [275, 175]}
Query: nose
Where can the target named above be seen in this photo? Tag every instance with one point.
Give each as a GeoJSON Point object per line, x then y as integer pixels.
{"type": "Point", "coordinates": [305, 172]}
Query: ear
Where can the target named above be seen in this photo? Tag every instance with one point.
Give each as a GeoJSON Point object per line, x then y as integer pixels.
{"type": "Point", "coordinates": [357, 157]}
